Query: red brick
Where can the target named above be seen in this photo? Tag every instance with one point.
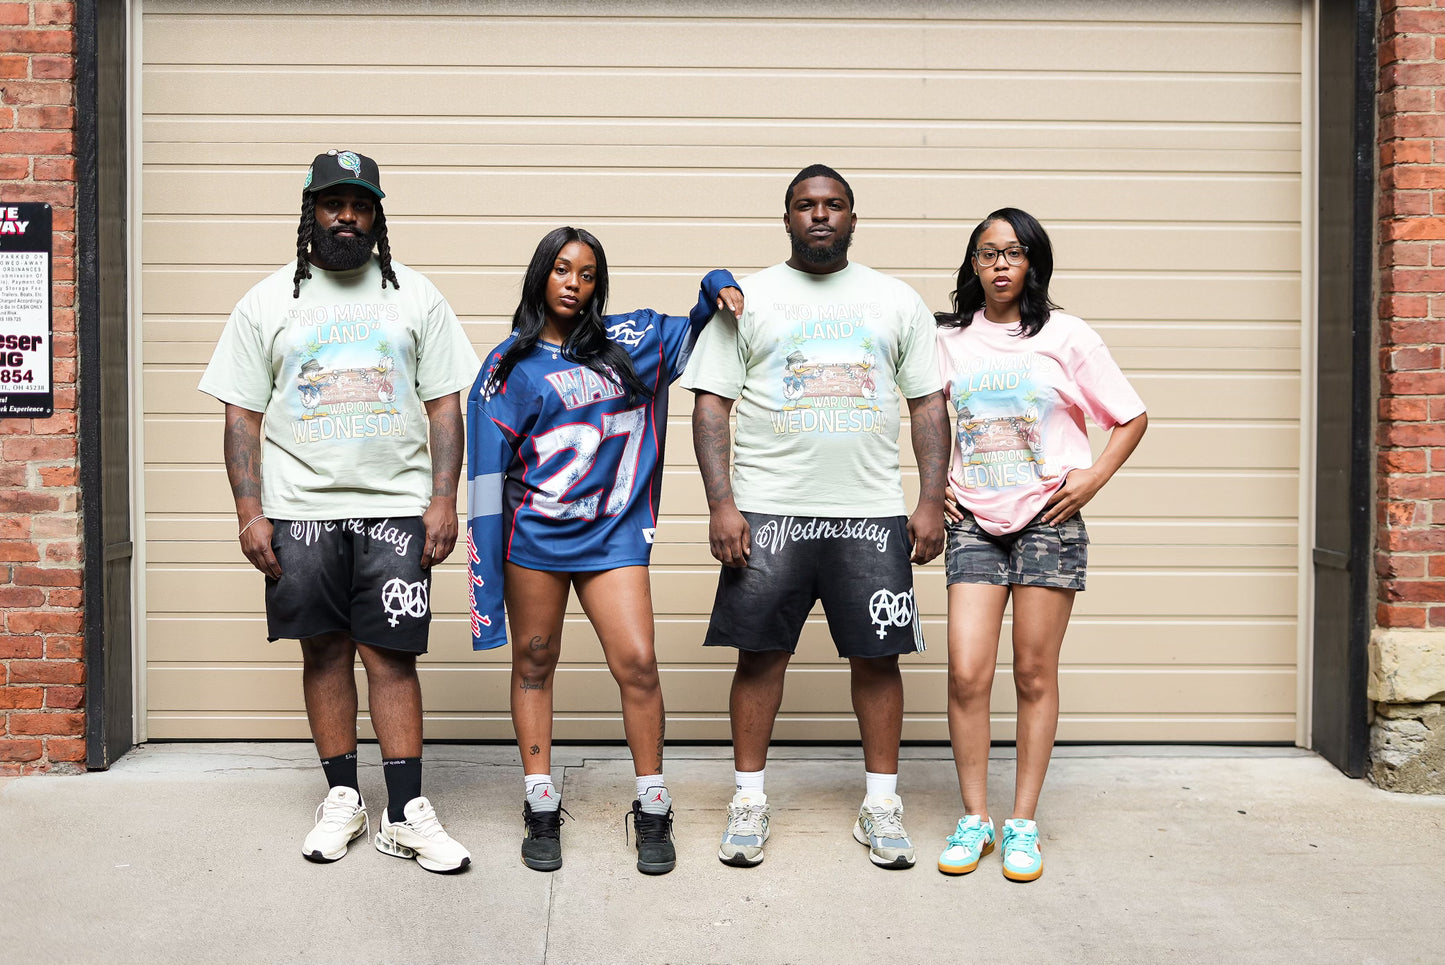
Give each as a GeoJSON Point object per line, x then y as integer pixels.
{"type": "Point", "coordinates": [60, 424]}
{"type": "Point", "coordinates": [47, 119]}
{"type": "Point", "coordinates": [1406, 99]}
{"type": "Point", "coordinates": [28, 503]}
{"type": "Point", "coordinates": [1404, 306]}
{"type": "Point", "coordinates": [54, 527]}
{"type": "Point", "coordinates": [1411, 435]}
{"type": "Point", "coordinates": [1407, 567]}
{"type": "Point", "coordinates": [1405, 126]}
{"type": "Point", "coordinates": [1412, 228]}
{"type": "Point", "coordinates": [39, 449]}
{"type": "Point", "coordinates": [1399, 410]}
{"type": "Point", "coordinates": [59, 476]}
{"type": "Point", "coordinates": [45, 576]}
{"type": "Point", "coordinates": [1404, 48]}
{"type": "Point", "coordinates": [1415, 22]}
{"type": "Point", "coordinates": [1412, 75]}
{"type": "Point", "coordinates": [54, 13]}
{"type": "Point", "coordinates": [63, 552]}
{"type": "Point", "coordinates": [21, 698]}
{"type": "Point", "coordinates": [1403, 203]}
{"type": "Point", "coordinates": [1413, 487]}
{"type": "Point", "coordinates": [1437, 566]}
{"type": "Point", "coordinates": [1412, 383]}
{"type": "Point", "coordinates": [38, 41]}
{"type": "Point", "coordinates": [1398, 460]}
{"type": "Point", "coordinates": [63, 596]}
{"type": "Point", "coordinates": [1413, 359]}
{"type": "Point", "coordinates": [14, 68]}
{"type": "Point", "coordinates": [64, 725]}
{"type": "Point", "coordinates": [44, 621]}
{"type": "Point", "coordinates": [1412, 332]}
{"type": "Point", "coordinates": [1396, 541]}
{"type": "Point", "coordinates": [13, 551]}
{"type": "Point", "coordinates": [64, 698]}
{"type": "Point", "coordinates": [1397, 591]}
{"type": "Point", "coordinates": [14, 168]}
{"type": "Point", "coordinates": [21, 647]}
{"type": "Point", "coordinates": [67, 749]}
{"type": "Point", "coordinates": [55, 169]}
{"type": "Point", "coordinates": [1405, 152]}
{"type": "Point", "coordinates": [47, 91]}
{"type": "Point", "coordinates": [13, 14]}
{"type": "Point", "coordinates": [53, 68]}
{"type": "Point", "coordinates": [54, 193]}
{"type": "Point", "coordinates": [1399, 617]}
{"type": "Point", "coordinates": [1394, 254]}
{"type": "Point", "coordinates": [36, 142]}
{"type": "Point", "coordinates": [14, 475]}
{"type": "Point", "coordinates": [46, 672]}
{"type": "Point", "coordinates": [19, 750]}
{"type": "Point", "coordinates": [1397, 514]}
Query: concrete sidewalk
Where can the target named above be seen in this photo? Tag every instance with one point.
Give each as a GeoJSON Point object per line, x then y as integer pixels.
{"type": "Point", "coordinates": [191, 853]}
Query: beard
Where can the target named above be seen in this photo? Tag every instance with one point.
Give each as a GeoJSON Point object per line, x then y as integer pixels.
{"type": "Point", "coordinates": [822, 256]}
{"type": "Point", "coordinates": [341, 254]}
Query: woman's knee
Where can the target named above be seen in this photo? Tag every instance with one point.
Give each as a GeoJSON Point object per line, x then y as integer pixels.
{"type": "Point", "coordinates": [969, 684]}
{"type": "Point", "coordinates": [1035, 680]}
{"type": "Point", "coordinates": [636, 669]}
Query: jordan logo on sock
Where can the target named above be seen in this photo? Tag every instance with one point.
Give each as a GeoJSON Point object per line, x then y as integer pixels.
{"type": "Point", "coordinates": [658, 798]}
{"type": "Point", "coordinates": [546, 792]}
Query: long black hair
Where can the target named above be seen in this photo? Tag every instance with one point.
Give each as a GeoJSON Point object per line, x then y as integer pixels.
{"type": "Point", "coordinates": [307, 227]}
{"type": "Point", "coordinates": [1034, 304]}
{"type": "Point", "coordinates": [587, 342]}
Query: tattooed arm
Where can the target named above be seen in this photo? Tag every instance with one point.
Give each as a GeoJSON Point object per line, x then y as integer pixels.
{"type": "Point", "coordinates": [727, 530]}
{"type": "Point", "coordinates": [444, 415]}
{"type": "Point", "coordinates": [242, 448]}
{"type": "Point", "coordinates": [929, 425]}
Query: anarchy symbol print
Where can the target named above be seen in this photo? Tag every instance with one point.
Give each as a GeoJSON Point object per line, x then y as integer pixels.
{"type": "Point", "coordinates": [887, 609]}
{"type": "Point", "coordinates": [400, 598]}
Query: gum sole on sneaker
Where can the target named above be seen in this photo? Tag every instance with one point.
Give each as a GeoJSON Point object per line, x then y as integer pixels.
{"type": "Point", "coordinates": [951, 869]}
{"type": "Point", "coordinates": [1022, 876]}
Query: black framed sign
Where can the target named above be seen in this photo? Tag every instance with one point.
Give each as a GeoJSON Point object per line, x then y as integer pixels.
{"type": "Point", "coordinates": [27, 390]}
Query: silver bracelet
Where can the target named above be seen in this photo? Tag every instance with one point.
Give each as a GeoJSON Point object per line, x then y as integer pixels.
{"type": "Point", "coordinates": [248, 525]}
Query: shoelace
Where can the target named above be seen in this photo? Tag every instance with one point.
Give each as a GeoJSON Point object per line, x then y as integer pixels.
{"type": "Point", "coordinates": [1023, 841]}
{"type": "Point", "coordinates": [426, 824]}
{"type": "Point", "coordinates": [887, 822]}
{"type": "Point", "coordinates": [745, 820]}
{"type": "Point", "coordinates": [334, 814]}
{"type": "Point", "coordinates": [546, 824]}
{"type": "Point", "coordinates": [650, 828]}
{"type": "Point", "coordinates": [969, 837]}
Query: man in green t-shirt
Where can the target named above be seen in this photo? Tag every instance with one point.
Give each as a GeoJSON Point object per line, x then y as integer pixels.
{"type": "Point", "coordinates": [343, 445]}
{"type": "Point", "coordinates": [819, 365]}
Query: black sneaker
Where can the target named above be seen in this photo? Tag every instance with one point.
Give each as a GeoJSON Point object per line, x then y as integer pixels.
{"type": "Point", "coordinates": [542, 847]}
{"type": "Point", "coordinates": [656, 854]}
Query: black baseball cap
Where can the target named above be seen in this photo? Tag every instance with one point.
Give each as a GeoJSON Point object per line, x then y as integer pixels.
{"type": "Point", "coordinates": [343, 167]}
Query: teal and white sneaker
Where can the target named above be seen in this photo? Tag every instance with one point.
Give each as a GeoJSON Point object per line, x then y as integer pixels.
{"type": "Point", "coordinates": [971, 840]}
{"type": "Point", "coordinates": [880, 827]}
{"type": "Point", "coordinates": [1022, 860]}
{"type": "Point", "coordinates": [747, 830]}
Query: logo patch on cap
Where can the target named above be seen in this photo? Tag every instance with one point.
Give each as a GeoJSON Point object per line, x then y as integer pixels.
{"type": "Point", "coordinates": [349, 161]}
{"type": "Point", "coordinates": [310, 173]}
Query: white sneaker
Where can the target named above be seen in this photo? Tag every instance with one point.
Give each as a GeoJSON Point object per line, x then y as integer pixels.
{"type": "Point", "coordinates": [747, 831]}
{"type": "Point", "coordinates": [880, 827]}
{"type": "Point", "coordinates": [422, 837]}
{"type": "Point", "coordinates": [340, 820]}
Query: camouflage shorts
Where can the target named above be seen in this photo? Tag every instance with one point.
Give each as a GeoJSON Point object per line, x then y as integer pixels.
{"type": "Point", "coordinates": [1040, 554]}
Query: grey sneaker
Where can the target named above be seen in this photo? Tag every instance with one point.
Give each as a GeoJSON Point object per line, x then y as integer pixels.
{"type": "Point", "coordinates": [542, 847]}
{"type": "Point", "coordinates": [340, 820]}
{"type": "Point", "coordinates": [880, 827]}
{"type": "Point", "coordinates": [656, 854]}
{"type": "Point", "coordinates": [747, 830]}
{"type": "Point", "coordinates": [421, 836]}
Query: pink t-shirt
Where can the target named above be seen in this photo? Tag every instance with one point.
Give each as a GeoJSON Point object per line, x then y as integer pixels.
{"type": "Point", "coordinates": [1020, 405]}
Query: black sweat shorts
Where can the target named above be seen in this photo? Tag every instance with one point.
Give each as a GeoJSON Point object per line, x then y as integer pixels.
{"type": "Point", "coordinates": [857, 566]}
{"type": "Point", "coordinates": [362, 576]}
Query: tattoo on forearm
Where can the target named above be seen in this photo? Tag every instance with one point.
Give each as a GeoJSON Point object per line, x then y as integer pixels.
{"type": "Point", "coordinates": [447, 439]}
{"type": "Point", "coordinates": [711, 441]}
{"type": "Point", "coordinates": [930, 443]}
{"type": "Point", "coordinates": [242, 447]}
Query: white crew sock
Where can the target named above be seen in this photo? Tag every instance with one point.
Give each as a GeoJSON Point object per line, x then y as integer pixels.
{"type": "Point", "coordinates": [881, 785]}
{"type": "Point", "coordinates": [542, 794]}
{"type": "Point", "coordinates": [652, 793]}
{"type": "Point", "coordinates": [748, 783]}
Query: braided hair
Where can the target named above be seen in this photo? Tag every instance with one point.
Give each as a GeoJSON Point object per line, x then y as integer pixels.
{"type": "Point", "coordinates": [307, 227]}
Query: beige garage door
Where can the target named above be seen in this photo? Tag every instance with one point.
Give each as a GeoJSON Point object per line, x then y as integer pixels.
{"type": "Point", "coordinates": [1159, 142]}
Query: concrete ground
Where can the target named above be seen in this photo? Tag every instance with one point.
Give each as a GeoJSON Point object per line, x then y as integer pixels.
{"type": "Point", "coordinates": [190, 853]}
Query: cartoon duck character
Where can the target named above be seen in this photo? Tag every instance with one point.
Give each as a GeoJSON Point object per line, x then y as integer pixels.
{"type": "Point", "coordinates": [797, 367]}
{"type": "Point", "coordinates": [867, 385]}
{"type": "Point", "coordinates": [968, 428]}
{"type": "Point", "coordinates": [308, 384]}
{"type": "Point", "coordinates": [385, 390]}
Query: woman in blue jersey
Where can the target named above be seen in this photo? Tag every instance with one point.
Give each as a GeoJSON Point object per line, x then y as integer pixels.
{"type": "Point", "coordinates": [567, 422]}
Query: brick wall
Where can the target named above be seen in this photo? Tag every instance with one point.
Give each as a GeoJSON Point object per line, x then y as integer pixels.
{"type": "Point", "coordinates": [1410, 509]}
{"type": "Point", "coordinates": [42, 673]}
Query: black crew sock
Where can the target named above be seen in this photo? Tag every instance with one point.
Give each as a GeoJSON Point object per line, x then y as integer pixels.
{"type": "Point", "coordinates": [403, 782]}
{"type": "Point", "coordinates": [341, 771]}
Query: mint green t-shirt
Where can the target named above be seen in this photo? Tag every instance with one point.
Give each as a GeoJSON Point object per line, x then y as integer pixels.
{"type": "Point", "coordinates": [819, 365]}
{"type": "Point", "coordinates": [341, 374]}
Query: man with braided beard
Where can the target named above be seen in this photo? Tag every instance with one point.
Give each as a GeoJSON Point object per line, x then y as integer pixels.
{"type": "Point", "coordinates": [343, 445]}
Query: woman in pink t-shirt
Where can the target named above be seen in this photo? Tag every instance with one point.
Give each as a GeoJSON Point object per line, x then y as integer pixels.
{"type": "Point", "coordinates": [1021, 376]}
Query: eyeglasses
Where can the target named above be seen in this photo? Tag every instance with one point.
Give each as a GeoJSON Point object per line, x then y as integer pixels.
{"type": "Point", "coordinates": [1014, 255]}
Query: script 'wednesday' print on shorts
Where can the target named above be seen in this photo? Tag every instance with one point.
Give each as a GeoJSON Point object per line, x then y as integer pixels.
{"type": "Point", "coordinates": [857, 566]}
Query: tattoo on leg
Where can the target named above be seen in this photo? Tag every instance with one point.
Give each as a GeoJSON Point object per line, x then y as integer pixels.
{"type": "Point", "coordinates": [661, 733]}
{"type": "Point", "coordinates": [538, 643]}
{"type": "Point", "coordinates": [530, 684]}
{"type": "Point", "coordinates": [535, 750]}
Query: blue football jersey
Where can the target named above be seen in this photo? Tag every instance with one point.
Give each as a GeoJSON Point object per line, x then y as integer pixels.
{"type": "Point", "coordinates": [564, 470]}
